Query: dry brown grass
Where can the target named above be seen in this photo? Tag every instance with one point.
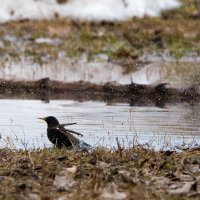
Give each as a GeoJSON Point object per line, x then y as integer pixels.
{"type": "Point", "coordinates": [99, 174]}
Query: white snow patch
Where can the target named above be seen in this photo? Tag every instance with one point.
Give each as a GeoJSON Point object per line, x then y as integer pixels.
{"type": "Point", "coordinates": [109, 10]}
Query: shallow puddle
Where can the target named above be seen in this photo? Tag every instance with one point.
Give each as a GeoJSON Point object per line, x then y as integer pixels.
{"type": "Point", "coordinates": [100, 124]}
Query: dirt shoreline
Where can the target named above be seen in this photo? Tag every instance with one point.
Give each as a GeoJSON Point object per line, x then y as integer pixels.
{"type": "Point", "coordinates": [134, 94]}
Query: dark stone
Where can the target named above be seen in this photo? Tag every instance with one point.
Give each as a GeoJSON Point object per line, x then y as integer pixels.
{"type": "Point", "coordinates": [2, 178]}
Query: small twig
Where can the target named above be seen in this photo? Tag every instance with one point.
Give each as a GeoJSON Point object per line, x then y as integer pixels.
{"type": "Point", "coordinates": [187, 170]}
{"type": "Point", "coordinates": [119, 147]}
{"type": "Point", "coordinates": [29, 155]}
{"type": "Point", "coordinates": [68, 124]}
{"type": "Point", "coordinates": [74, 146]}
{"type": "Point", "coordinates": [97, 142]}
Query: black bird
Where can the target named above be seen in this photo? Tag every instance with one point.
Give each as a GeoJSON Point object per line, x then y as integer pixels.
{"type": "Point", "coordinates": [62, 137]}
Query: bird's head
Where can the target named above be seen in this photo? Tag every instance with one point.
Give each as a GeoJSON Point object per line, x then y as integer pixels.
{"type": "Point", "coordinates": [51, 121]}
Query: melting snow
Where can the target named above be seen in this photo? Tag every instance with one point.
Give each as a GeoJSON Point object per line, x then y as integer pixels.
{"type": "Point", "coordinates": [108, 10]}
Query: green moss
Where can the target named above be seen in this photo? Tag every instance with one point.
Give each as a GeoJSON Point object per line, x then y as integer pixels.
{"type": "Point", "coordinates": [6, 43]}
{"type": "Point", "coordinates": [169, 166]}
{"type": "Point", "coordinates": [38, 34]}
{"type": "Point", "coordinates": [177, 46]}
{"type": "Point", "coordinates": [29, 52]}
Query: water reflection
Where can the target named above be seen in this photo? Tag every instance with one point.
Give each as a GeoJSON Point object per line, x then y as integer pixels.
{"type": "Point", "coordinates": [100, 123]}
{"type": "Point", "coordinates": [178, 74]}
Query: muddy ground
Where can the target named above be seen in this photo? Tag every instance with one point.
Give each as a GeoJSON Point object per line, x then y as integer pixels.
{"type": "Point", "coordinates": [135, 173]}
{"type": "Point", "coordinates": [134, 94]}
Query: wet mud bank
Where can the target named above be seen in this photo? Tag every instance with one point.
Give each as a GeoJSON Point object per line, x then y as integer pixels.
{"type": "Point", "coordinates": [135, 94]}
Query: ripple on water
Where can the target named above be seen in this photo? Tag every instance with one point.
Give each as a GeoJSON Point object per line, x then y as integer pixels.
{"type": "Point", "coordinates": [99, 123]}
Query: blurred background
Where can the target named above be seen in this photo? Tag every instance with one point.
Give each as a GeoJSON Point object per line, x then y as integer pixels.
{"type": "Point", "coordinates": [100, 41]}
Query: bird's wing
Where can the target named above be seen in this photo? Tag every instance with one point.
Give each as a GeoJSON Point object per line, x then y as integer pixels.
{"type": "Point", "coordinates": [62, 126]}
{"type": "Point", "coordinates": [70, 131]}
{"type": "Point", "coordinates": [75, 141]}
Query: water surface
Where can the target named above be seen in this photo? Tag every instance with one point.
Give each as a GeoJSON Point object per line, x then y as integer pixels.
{"type": "Point", "coordinates": [100, 124]}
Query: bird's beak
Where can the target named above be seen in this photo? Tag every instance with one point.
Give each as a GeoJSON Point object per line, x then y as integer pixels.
{"type": "Point", "coordinates": [42, 118]}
